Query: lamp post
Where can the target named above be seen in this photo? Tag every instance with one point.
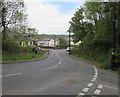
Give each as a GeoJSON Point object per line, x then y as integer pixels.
{"type": "Point", "coordinates": [114, 34]}
{"type": "Point", "coordinates": [69, 42]}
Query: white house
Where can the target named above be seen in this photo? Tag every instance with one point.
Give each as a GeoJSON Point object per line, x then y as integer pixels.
{"type": "Point", "coordinates": [48, 42]}
{"type": "Point", "coordinates": [71, 41]}
{"type": "Point", "coordinates": [56, 41]}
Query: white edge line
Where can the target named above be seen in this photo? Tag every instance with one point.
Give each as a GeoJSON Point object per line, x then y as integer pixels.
{"type": "Point", "coordinates": [96, 71]}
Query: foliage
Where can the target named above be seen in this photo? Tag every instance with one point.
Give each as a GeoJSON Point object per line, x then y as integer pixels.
{"type": "Point", "coordinates": [92, 24]}
{"type": "Point", "coordinates": [62, 43]}
{"type": "Point", "coordinates": [13, 17]}
{"type": "Point", "coordinates": [10, 48]}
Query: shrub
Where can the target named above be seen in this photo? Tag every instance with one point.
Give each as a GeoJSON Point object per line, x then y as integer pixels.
{"type": "Point", "coordinates": [105, 66]}
{"type": "Point", "coordinates": [10, 47]}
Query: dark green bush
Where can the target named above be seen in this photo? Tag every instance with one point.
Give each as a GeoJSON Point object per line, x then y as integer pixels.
{"type": "Point", "coordinates": [9, 47]}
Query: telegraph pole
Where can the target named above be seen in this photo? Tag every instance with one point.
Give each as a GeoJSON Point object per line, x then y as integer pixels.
{"type": "Point", "coordinates": [113, 34]}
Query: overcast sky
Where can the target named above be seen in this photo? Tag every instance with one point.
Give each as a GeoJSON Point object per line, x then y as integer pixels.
{"type": "Point", "coordinates": [51, 17]}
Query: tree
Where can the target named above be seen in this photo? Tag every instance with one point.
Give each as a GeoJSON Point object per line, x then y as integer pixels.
{"type": "Point", "coordinates": [98, 24]}
{"type": "Point", "coordinates": [77, 25]}
{"type": "Point", "coordinates": [62, 43]}
{"type": "Point", "coordinates": [12, 15]}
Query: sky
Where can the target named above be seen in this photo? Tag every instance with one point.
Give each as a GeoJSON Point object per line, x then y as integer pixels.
{"type": "Point", "coordinates": [51, 17]}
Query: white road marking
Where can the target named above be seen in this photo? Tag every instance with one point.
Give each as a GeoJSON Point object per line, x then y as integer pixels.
{"type": "Point", "coordinates": [94, 78]}
{"type": "Point", "coordinates": [81, 94]}
{"type": "Point", "coordinates": [50, 67]}
{"type": "Point", "coordinates": [90, 85]}
{"type": "Point", "coordinates": [100, 86]}
{"type": "Point", "coordinates": [58, 56]}
{"type": "Point", "coordinates": [11, 75]}
{"type": "Point", "coordinates": [59, 62]}
{"type": "Point", "coordinates": [85, 89]}
{"type": "Point", "coordinates": [97, 92]}
{"type": "Point", "coordinates": [110, 87]}
{"type": "Point", "coordinates": [96, 71]}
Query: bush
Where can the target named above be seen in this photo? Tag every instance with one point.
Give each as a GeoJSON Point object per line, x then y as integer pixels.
{"type": "Point", "coordinates": [10, 47]}
{"type": "Point", "coordinates": [105, 66]}
{"type": "Point", "coordinates": [62, 46]}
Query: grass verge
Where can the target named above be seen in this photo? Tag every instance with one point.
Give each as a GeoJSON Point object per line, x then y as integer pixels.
{"type": "Point", "coordinates": [25, 57]}
{"type": "Point", "coordinates": [100, 60]}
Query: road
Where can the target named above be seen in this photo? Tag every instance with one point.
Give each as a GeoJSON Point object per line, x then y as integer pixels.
{"type": "Point", "coordinates": [59, 74]}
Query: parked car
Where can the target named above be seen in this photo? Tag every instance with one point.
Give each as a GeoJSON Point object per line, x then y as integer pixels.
{"type": "Point", "coordinates": [69, 48]}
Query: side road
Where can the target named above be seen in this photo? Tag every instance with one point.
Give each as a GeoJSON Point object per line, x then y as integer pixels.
{"type": "Point", "coordinates": [24, 61]}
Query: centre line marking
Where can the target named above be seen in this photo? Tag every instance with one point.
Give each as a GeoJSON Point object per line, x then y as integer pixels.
{"type": "Point", "coordinates": [100, 86]}
{"type": "Point", "coordinates": [11, 75]}
{"type": "Point", "coordinates": [85, 89]}
{"type": "Point", "coordinates": [97, 92]}
{"type": "Point", "coordinates": [58, 56]}
{"type": "Point", "coordinates": [59, 62]}
{"type": "Point", "coordinates": [50, 67]}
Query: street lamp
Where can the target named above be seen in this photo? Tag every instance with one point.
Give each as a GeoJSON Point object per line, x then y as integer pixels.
{"type": "Point", "coordinates": [69, 42]}
{"type": "Point", "coordinates": [114, 34]}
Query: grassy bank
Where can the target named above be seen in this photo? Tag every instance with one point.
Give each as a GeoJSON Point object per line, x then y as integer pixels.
{"type": "Point", "coordinates": [103, 61]}
{"type": "Point", "coordinates": [24, 57]}
{"type": "Point", "coordinates": [102, 58]}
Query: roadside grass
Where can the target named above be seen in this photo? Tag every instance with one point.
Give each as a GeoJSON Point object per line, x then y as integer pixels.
{"type": "Point", "coordinates": [101, 60]}
{"type": "Point", "coordinates": [0, 58]}
{"type": "Point", "coordinates": [23, 57]}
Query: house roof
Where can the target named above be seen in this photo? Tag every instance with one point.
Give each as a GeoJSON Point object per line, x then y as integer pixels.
{"type": "Point", "coordinates": [46, 39]}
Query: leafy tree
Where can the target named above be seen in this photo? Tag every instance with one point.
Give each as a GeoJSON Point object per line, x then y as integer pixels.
{"type": "Point", "coordinates": [78, 25]}
{"type": "Point", "coordinates": [96, 27]}
{"type": "Point", "coordinates": [62, 43]}
{"type": "Point", "coordinates": [12, 15]}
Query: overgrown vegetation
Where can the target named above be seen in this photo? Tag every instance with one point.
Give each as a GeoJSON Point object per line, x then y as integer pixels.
{"type": "Point", "coordinates": [63, 43]}
{"type": "Point", "coordinates": [93, 25]}
{"type": "Point", "coordinates": [14, 28]}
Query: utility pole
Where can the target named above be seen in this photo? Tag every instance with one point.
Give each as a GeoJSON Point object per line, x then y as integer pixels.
{"type": "Point", "coordinates": [113, 34]}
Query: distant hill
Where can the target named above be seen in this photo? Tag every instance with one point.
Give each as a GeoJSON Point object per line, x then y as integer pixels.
{"type": "Point", "coordinates": [41, 36]}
